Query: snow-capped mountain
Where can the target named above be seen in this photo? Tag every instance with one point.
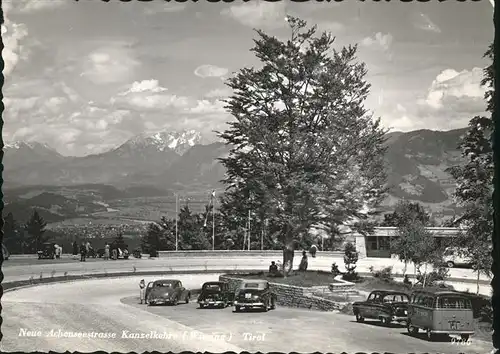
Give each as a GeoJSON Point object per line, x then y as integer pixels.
{"type": "Point", "coordinates": [20, 153]}
{"type": "Point", "coordinates": [179, 142]}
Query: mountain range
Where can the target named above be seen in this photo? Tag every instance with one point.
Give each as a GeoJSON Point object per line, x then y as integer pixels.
{"type": "Point", "coordinates": [169, 161]}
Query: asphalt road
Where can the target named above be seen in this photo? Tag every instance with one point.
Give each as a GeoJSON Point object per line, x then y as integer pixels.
{"type": "Point", "coordinates": [25, 267]}
{"type": "Point", "coordinates": [108, 306]}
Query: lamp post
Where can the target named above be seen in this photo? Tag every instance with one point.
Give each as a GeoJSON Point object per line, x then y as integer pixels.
{"type": "Point", "coordinates": [176, 222]}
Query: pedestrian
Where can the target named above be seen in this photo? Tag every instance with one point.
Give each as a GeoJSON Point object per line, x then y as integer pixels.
{"type": "Point", "coordinates": [142, 294]}
{"type": "Point", "coordinates": [313, 250]}
{"type": "Point", "coordinates": [75, 250]}
{"type": "Point", "coordinates": [88, 247]}
{"type": "Point", "coordinates": [106, 251]}
{"type": "Point", "coordinates": [303, 262]}
{"type": "Point", "coordinates": [114, 252]}
{"type": "Point", "coordinates": [57, 251]}
{"type": "Point", "coordinates": [83, 252]}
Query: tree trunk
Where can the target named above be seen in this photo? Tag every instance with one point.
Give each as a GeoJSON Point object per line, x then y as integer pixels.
{"type": "Point", "coordinates": [414, 274]}
{"type": "Point", "coordinates": [477, 282]}
{"type": "Point", "coordinates": [425, 275]}
{"type": "Point", "coordinates": [405, 268]}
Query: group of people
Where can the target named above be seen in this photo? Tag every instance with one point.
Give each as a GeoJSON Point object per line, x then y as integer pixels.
{"type": "Point", "coordinates": [274, 269]}
{"type": "Point", "coordinates": [85, 250]}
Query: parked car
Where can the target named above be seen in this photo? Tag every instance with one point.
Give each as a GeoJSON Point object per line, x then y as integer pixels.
{"type": "Point", "coordinates": [384, 305]}
{"type": "Point", "coordinates": [47, 251]}
{"type": "Point", "coordinates": [440, 313]}
{"type": "Point", "coordinates": [454, 257]}
{"type": "Point", "coordinates": [255, 294]}
{"type": "Point", "coordinates": [137, 253]}
{"type": "Point", "coordinates": [166, 292]}
{"type": "Point", "coordinates": [215, 294]}
{"type": "Point", "coordinates": [5, 252]}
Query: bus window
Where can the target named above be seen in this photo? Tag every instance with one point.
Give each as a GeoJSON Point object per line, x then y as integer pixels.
{"type": "Point", "coordinates": [429, 301]}
{"type": "Point", "coordinates": [454, 303]}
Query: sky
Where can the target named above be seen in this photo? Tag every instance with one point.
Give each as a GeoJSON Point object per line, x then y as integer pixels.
{"type": "Point", "coordinates": [85, 76]}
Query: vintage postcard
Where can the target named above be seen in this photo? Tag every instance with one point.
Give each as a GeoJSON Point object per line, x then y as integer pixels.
{"type": "Point", "coordinates": [248, 176]}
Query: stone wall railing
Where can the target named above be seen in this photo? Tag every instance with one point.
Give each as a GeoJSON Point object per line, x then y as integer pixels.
{"type": "Point", "coordinates": [291, 296]}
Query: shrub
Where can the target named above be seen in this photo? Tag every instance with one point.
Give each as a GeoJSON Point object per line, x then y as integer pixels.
{"type": "Point", "coordinates": [350, 260]}
{"type": "Point", "coordinates": [335, 269]}
{"type": "Point", "coordinates": [384, 274]}
{"type": "Point", "coordinates": [351, 276]}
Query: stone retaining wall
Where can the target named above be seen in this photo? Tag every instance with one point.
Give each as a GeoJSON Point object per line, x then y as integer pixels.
{"type": "Point", "coordinates": [291, 296]}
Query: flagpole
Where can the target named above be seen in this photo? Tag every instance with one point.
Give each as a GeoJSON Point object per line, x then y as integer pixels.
{"type": "Point", "coordinates": [213, 220]}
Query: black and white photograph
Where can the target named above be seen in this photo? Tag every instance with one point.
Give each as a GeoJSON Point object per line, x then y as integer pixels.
{"type": "Point", "coordinates": [247, 176]}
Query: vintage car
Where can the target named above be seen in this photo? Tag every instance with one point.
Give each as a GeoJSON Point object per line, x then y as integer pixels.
{"type": "Point", "coordinates": [384, 305]}
{"type": "Point", "coordinates": [167, 291]}
{"type": "Point", "coordinates": [215, 294]}
{"type": "Point", "coordinates": [454, 256]}
{"type": "Point", "coordinates": [255, 294]}
{"type": "Point", "coordinates": [47, 251]}
{"type": "Point", "coordinates": [440, 313]}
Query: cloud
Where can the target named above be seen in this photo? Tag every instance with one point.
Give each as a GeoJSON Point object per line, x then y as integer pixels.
{"type": "Point", "coordinates": [208, 107]}
{"type": "Point", "coordinates": [452, 99]}
{"type": "Point", "coordinates": [207, 70]}
{"type": "Point", "coordinates": [379, 40]}
{"type": "Point", "coordinates": [456, 89]}
{"type": "Point", "coordinates": [29, 6]}
{"type": "Point", "coordinates": [165, 7]}
{"type": "Point", "coordinates": [424, 23]}
{"type": "Point", "coordinates": [219, 93]}
{"type": "Point", "coordinates": [112, 63]}
{"type": "Point", "coordinates": [12, 35]}
{"type": "Point", "coordinates": [259, 14]}
{"type": "Point", "coordinates": [148, 94]}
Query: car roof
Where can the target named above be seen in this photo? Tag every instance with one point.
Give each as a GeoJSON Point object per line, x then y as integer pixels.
{"type": "Point", "coordinates": [260, 281]}
{"type": "Point", "coordinates": [438, 292]}
{"type": "Point", "coordinates": [166, 281]}
{"type": "Point", "coordinates": [390, 292]}
{"type": "Point", "coordinates": [214, 283]}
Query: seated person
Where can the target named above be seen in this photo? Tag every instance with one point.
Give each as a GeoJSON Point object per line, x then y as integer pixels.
{"type": "Point", "coordinates": [273, 268]}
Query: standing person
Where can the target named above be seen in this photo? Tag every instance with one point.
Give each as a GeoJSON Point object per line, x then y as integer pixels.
{"type": "Point", "coordinates": [142, 293]}
{"type": "Point", "coordinates": [303, 262]}
{"type": "Point", "coordinates": [75, 250]}
{"type": "Point", "coordinates": [87, 247]}
{"type": "Point", "coordinates": [114, 251]}
{"type": "Point", "coordinates": [83, 252]}
{"type": "Point", "coordinates": [106, 251]}
{"type": "Point", "coordinates": [313, 250]}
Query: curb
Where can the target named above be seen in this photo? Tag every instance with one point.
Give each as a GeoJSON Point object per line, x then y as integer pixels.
{"type": "Point", "coordinates": [21, 284]}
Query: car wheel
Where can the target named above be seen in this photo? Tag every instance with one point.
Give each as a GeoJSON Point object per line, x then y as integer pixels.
{"type": "Point", "coordinates": [266, 306]}
{"type": "Point", "coordinates": [359, 318]}
{"type": "Point", "coordinates": [175, 302]}
{"type": "Point", "coordinates": [465, 337]}
{"type": "Point", "coordinates": [450, 264]}
{"type": "Point", "coordinates": [385, 321]}
{"type": "Point", "coordinates": [411, 329]}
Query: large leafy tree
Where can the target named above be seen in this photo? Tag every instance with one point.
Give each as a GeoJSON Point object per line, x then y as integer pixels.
{"type": "Point", "coordinates": [474, 179]}
{"type": "Point", "coordinates": [405, 212]}
{"type": "Point", "coordinates": [35, 229]}
{"type": "Point", "coordinates": [301, 136]}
